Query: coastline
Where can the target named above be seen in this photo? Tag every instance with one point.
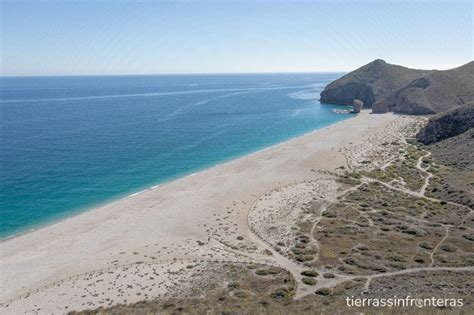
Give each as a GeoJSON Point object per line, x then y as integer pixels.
{"type": "Point", "coordinates": [166, 222]}
{"type": "Point", "coordinates": [81, 210]}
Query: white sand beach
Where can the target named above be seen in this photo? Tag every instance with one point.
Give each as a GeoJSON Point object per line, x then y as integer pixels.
{"type": "Point", "coordinates": [199, 219]}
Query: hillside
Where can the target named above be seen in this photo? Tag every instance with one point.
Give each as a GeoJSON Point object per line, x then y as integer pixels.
{"type": "Point", "coordinates": [450, 137]}
{"type": "Point", "coordinates": [371, 83]}
{"type": "Point", "coordinates": [385, 87]}
{"type": "Point", "coordinates": [446, 125]}
{"type": "Point", "coordinates": [436, 92]}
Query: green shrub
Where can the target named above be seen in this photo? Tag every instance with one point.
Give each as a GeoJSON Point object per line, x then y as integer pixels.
{"type": "Point", "coordinates": [323, 291]}
{"type": "Point", "coordinates": [309, 273]}
{"type": "Point", "coordinates": [309, 281]}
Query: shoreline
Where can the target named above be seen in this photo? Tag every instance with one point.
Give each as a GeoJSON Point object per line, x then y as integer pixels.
{"type": "Point", "coordinates": [192, 218]}
{"type": "Point", "coordinates": [81, 210]}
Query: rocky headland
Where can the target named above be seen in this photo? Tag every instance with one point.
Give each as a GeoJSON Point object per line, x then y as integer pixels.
{"type": "Point", "coordinates": [385, 87]}
{"type": "Point", "coordinates": [370, 84]}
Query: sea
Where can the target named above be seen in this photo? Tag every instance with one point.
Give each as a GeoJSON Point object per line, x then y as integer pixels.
{"type": "Point", "coordinates": [68, 144]}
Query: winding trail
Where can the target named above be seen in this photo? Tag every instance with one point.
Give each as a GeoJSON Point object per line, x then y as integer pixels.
{"type": "Point", "coordinates": [438, 245]}
{"type": "Point", "coordinates": [314, 241]}
{"type": "Point", "coordinates": [295, 269]}
{"type": "Point", "coordinates": [419, 194]}
{"type": "Point", "coordinates": [412, 270]}
{"type": "Point", "coordinates": [428, 177]}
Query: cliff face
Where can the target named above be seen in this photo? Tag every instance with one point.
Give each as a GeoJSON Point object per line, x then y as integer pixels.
{"type": "Point", "coordinates": [436, 92]}
{"type": "Point", "coordinates": [371, 83]}
{"type": "Point", "coordinates": [447, 125]}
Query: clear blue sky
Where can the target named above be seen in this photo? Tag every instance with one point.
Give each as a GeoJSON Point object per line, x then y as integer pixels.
{"type": "Point", "coordinates": [131, 37]}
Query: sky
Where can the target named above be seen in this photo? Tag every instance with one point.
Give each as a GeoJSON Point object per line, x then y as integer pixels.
{"type": "Point", "coordinates": [174, 37]}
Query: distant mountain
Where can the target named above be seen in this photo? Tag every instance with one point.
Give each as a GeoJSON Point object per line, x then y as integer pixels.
{"type": "Point", "coordinates": [446, 125]}
{"type": "Point", "coordinates": [371, 83]}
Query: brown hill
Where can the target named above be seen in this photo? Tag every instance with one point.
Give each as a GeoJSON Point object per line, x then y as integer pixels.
{"type": "Point", "coordinates": [446, 125]}
{"type": "Point", "coordinates": [371, 83]}
{"type": "Point", "coordinates": [455, 161]}
{"type": "Point", "coordinates": [435, 92]}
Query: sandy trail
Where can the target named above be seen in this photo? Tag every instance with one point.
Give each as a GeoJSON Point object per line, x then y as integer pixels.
{"type": "Point", "coordinates": [429, 175]}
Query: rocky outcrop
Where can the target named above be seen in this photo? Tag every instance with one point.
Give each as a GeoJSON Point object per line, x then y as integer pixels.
{"type": "Point", "coordinates": [446, 125]}
{"type": "Point", "coordinates": [357, 106]}
{"type": "Point", "coordinates": [436, 92]}
{"type": "Point", "coordinates": [370, 84]}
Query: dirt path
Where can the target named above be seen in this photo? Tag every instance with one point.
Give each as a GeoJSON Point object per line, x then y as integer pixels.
{"type": "Point", "coordinates": [429, 175]}
{"type": "Point", "coordinates": [412, 270]}
{"type": "Point", "coordinates": [438, 245]}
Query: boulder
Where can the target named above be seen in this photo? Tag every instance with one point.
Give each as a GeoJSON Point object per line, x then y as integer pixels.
{"type": "Point", "coordinates": [380, 107]}
{"type": "Point", "coordinates": [358, 104]}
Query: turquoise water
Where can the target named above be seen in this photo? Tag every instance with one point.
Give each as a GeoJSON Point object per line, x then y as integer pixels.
{"type": "Point", "coordinates": [69, 143]}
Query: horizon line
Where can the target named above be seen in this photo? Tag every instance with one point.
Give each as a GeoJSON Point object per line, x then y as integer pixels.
{"type": "Point", "coordinates": [432, 68]}
{"type": "Point", "coordinates": [166, 74]}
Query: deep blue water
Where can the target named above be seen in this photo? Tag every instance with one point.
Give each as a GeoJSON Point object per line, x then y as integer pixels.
{"type": "Point", "coordinates": [69, 143]}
